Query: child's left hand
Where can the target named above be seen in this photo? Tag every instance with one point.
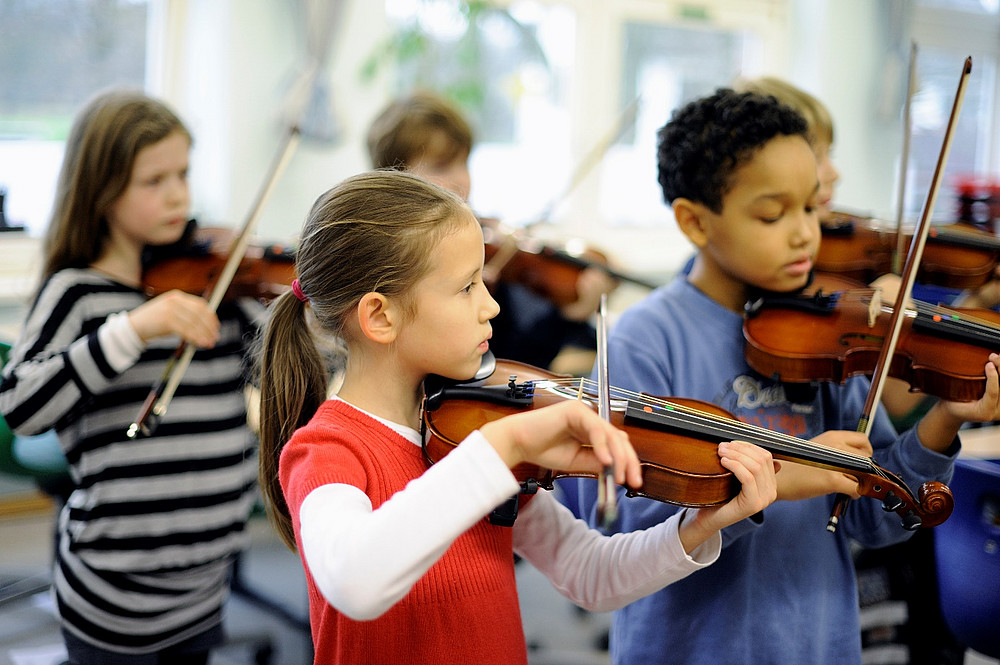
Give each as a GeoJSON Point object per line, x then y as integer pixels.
{"type": "Point", "coordinates": [755, 469]}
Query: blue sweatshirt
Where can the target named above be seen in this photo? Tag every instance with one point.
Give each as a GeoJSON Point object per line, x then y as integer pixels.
{"type": "Point", "coordinates": [784, 589]}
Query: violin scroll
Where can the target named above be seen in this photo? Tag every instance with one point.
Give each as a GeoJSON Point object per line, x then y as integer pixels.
{"type": "Point", "coordinates": [932, 505]}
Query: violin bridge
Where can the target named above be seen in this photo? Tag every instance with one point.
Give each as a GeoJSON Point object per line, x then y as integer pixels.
{"type": "Point", "coordinates": [874, 307]}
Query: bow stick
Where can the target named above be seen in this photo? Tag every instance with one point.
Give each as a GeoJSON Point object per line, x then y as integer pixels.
{"type": "Point", "coordinates": [162, 393]}
{"type": "Point", "coordinates": [607, 497]}
{"type": "Point", "coordinates": [904, 159]}
{"type": "Point", "coordinates": [903, 296]}
{"type": "Point", "coordinates": [593, 157]}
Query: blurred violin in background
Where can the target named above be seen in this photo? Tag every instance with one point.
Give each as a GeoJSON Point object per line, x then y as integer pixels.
{"type": "Point", "coordinates": [958, 256]}
{"type": "Point", "coordinates": [548, 268]}
{"type": "Point", "coordinates": [836, 329]}
{"type": "Point", "coordinates": [195, 263]}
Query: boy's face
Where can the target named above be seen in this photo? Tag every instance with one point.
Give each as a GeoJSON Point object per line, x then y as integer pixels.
{"type": "Point", "coordinates": [768, 233]}
{"type": "Point", "coordinates": [443, 165]}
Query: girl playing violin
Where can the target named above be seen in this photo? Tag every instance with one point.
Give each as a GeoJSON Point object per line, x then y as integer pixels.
{"type": "Point", "coordinates": [426, 135]}
{"type": "Point", "coordinates": [401, 564]}
{"type": "Point", "coordinates": [146, 538]}
{"type": "Point", "coordinates": [741, 177]}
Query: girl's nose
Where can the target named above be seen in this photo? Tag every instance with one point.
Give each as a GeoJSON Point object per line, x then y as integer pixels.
{"type": "Point", "coordinates": [491, 307]}
{"type": "Point", "coordinates": [178, 192]}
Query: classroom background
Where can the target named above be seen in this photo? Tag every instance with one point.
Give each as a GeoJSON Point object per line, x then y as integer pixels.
{"type": "Point", "coordinates": [565, 97]}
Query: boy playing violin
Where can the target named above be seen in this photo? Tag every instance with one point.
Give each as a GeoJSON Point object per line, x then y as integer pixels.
{"type": "Point", "coordinates": [741, 177]}
{"type": "Point", "coordinates": [426, 135]}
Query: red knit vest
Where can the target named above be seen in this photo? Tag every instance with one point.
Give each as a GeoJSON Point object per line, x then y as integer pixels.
{"type": "Point", "coordinates": [463, 610]}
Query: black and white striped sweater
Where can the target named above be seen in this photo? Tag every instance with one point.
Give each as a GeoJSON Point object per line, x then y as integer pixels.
{"type": "Point", "coordinates": [148, 534]}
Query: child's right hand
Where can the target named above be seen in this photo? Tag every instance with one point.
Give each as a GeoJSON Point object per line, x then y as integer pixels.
{"type": "Point", "coordinates": [552, 437]}
{"type": "Point", "coordinates": [178, 313]}
{"type": "Point", "coordinates": [800, 481]}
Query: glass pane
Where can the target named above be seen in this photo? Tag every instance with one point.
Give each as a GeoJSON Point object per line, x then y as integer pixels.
{"type": "Point", "coordinates": [973, 6]}
{"type": "Point", "coordinates": [54, 55]}
{"type": "Point", "coordinates": [938, 75]}
{"type": "Point", "coordinates": [664, 66]}
{"type": "Point", "coordinates": [508, 69]}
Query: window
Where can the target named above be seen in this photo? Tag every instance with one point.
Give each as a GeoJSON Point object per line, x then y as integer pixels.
{"type": "Point", "coordinates": [508, 68]}
{"type": "Point", "coordinates": [946, 32]}
{"type": "Point", "coordinates": [548, 153]}
{"type": "Point", "coordinates": [664, 66]}
{"type": "Point", "coordinates": [55, 54]}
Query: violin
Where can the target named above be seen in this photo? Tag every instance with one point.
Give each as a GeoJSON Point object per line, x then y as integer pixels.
{"type": "Point", "coordinates": [549, 270]}
{"type": "Point", "coordinates": [196, 262]}
{"type": "Point", "coordinates": [162, 392]}
{"type": "Point", "coordinates": [830, 335]}
{"type": "Point", "coordinates": [957, 256]}
{"type": "Point", "coordinates": [676, 441]}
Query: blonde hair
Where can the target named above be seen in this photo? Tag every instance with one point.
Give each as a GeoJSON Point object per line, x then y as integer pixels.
{"type": "Point", "coordinates": [399, 135]}
{"type": "Point", "coordinates": [816, 114]}
{"type": "Point", "coordinates": [104, 140]}
{"type": "Point", "coordinates": [374, 232]}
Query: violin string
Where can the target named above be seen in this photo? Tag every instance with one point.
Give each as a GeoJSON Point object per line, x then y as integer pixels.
{"type": "Point", "coordinates": [962, 320]}
{"type": "Point", "coordinates": [735, 429]}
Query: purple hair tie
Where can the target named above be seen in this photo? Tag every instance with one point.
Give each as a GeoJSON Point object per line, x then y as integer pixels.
{"type": "Point", "coordinates": [297, 290]}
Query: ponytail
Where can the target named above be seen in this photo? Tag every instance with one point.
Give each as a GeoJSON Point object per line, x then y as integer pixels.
{"type": "Point", "coordinates": [293, 383]}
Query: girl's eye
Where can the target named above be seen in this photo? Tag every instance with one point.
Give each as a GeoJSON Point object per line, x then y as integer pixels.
{"type": "Point", "coordinates": [770, 220]}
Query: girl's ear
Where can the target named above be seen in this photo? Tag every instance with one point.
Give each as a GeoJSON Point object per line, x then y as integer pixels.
{"type": "Point", "coordinates": [690, 221]}
{"type": "Point", "coordinates": [378, 318]}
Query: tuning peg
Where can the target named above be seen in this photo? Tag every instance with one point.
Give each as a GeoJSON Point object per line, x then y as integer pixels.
{"type": "Point", "coordinates": [891, 502]}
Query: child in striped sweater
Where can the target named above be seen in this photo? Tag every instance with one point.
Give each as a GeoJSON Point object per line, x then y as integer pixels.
{"type": "Point", "coordinates": [147, 536]}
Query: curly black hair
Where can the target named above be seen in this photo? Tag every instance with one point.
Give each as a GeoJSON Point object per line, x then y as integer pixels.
{"type": "Point", "coordinates": [710, 138]}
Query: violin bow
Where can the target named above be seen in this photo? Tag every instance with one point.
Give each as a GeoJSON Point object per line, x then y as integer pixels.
{"type": "Point", "coordinates": [508, 245]}
{"type": "Point", "coordinates": [906, 286]}
{"type": "Point", "coordinates": [593, 157]}
{"type": "Point", "coordinates": [607, 497]}
{"type": "Point", "coordinates": [904, 158]}
{"type": "Point", "coordinates": [162, 393]}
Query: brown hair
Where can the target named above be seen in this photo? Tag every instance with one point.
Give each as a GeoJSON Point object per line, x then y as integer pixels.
{"type": "Point", "coordinates": [373, 232]}
{"type": "Point", "coordinates": [816, 114]}
{"type": "Point", "coordinates": [399, 135]}
{"type": "Point", "coordinates": [103, 143]}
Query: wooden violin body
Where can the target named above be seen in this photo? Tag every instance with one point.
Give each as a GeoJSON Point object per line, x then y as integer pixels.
{"type": "Point", "coordinates": [956, 256]}
{"type": "Point", "coordinates": [676, 441]}
{"type": "Point", "coordinates": [265, 272]}
{"type": "Point", "coordinates": [694, 478]}
{"type": "Point", "coordinates": [832, 336]}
